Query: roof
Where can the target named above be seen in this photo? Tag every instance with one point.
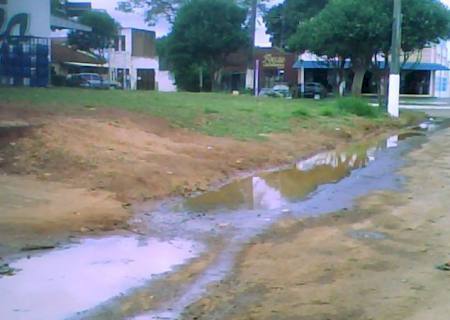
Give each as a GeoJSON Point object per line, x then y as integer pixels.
{"type": "Point", "coordinates": [82, 64]}
{"type": "Point", "coordinates": [424, 66]}
{"type": "Point", "coordinates": [62, 53]}
{"type": "Point", "coordinates": [417, 66]}
{"type": "Point", "coordinates": [316, 64]}
{"type": "Point", "coordinates": [64, 23]}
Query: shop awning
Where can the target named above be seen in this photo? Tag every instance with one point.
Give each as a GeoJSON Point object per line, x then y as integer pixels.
{"type": "Point", "coordinates": [424, 66]}
{"type": "Point", "coordinates": [81, 64]}
{"type": "Point", "coordinates": [63, 23]}
{"type": "Point", "coordinates": [418, 66]}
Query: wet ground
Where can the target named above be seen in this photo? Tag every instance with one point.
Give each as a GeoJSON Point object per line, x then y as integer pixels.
{"type": "Point", "coordinates": [111, 278]}
{"type": "Point", "coordinates": [79, 276]}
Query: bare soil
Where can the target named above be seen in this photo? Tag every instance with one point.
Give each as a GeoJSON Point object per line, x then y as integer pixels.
{"type": "Point", "coordinates": [318, 269]}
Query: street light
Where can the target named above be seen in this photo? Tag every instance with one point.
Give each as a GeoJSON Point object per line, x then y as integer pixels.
{"type": "Point", "coordinates": [394, 77]}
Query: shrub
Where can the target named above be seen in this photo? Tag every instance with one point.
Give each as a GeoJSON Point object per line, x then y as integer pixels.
{"type": "Point", "coordinates": [301, 113]}
{"type": "Point", "coordinates": [329, 112]}
{"type": "Point", "coordinates": [357, 106]}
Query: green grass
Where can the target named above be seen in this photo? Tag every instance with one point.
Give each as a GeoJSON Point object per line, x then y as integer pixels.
{"type": "Point", "coordinates": [242, 117]}
{"type": "Point", "coordinates": [357, 106]}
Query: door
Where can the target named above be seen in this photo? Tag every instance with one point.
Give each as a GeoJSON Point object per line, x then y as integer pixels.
{"type": "Point", "coordinates": [145, 79]}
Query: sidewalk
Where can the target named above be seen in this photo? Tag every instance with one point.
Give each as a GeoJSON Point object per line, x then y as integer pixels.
{"type": "Point", "coordinates": [425, 103]}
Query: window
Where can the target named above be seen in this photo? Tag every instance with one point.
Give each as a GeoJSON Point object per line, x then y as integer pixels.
{"type": "Point", "coordinates": [143, 43]}
{"type": "Point", "coordinates": [123, 43]}
{"type": "Point", "coordinates": [120, 43]}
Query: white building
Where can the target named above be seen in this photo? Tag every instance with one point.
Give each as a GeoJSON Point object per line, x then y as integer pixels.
{"type": "Point", "coordinates": [133, 62]}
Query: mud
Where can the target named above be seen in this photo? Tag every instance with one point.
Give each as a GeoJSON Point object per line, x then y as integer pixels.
{"type": "Point", "coordinates": [58, 183]}
{"type": "Point", "coordinates": [382, 252]}
{"type": "Point", "coordinates": [375, 170]}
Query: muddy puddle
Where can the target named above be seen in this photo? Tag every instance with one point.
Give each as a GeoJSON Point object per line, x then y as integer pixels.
{"type": "Point", "coordinates": [59, 284]}
{"type": "Point", "coordinates": [274, 190]}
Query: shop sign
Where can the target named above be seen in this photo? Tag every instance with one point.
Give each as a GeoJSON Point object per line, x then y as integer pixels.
{"type": "Point", "coordinates": [17, 22]}
{"type": "Point", "coordinates": [271, 61]}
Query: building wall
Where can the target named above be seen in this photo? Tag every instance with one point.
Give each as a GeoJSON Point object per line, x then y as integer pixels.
{"type": "Point", "coordinates": [440, 80]}
{"type": "Point", "coordinates": [126, 60]}
{"type": "Point", "coordinates": [165, 81]}
{"type": "Point", "coordinates": [38, 12]}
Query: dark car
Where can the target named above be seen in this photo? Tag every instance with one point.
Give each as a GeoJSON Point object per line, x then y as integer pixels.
{"type": "Point", "coordinates": [314, 90]}
{"type": "Point", "coordinates": [90, 80]}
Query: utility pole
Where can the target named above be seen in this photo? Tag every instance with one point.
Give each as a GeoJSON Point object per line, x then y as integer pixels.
{"type": "Point", "coordinates": [394, 78]}
{"type": "Point", "coordinates": [251, 68]}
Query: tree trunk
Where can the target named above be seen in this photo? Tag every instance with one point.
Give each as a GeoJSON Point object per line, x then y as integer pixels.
{"type": "Point", "coordinates": [200, 80]}
{"type": "Point", "coordinates": [358, 80]}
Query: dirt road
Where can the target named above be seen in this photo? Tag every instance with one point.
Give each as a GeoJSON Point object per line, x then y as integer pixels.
{"type": "Point", "coordinates": [374, 262]}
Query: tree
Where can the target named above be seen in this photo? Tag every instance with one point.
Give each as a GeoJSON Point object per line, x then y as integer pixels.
{"type": "Point", "coordinates": [104, 29]}
{"type": "Point", "coordinates": [360, 30]}
{"type": "Point", "coordinates": [154, 9]}
{"type": "Point", "coordinates": [57, 7]}
{"type": "Point", "coordinates": [168, 9]}
{"type": "Point", "coordinates": [204, 33]}
{"type": "Point", "coordinates": [283, 19]}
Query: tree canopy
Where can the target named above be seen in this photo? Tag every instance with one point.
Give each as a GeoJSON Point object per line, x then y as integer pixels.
{"type": "Point", "coordinates": [204, 33]}
{"type": "Point", "coordinates": [360, 30]}
{"type": "Point", "coordinates": [168, 9]}
{"type": "Point", "coordinates": [283, 19]}
{"type": "Point", "coordinates": [104, 29]}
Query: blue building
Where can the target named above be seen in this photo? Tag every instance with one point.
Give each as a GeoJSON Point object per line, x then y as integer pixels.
{"type": "Point", "coordinates": [25, 30]}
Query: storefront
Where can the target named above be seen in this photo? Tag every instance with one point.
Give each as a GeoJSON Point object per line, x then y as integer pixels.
{"type": "Point", "coordinates": [418, 78]}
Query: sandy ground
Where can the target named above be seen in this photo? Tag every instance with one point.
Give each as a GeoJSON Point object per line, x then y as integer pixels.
{"type": "Point", "coordinates": [37, 214]}
{"type": "Point", "coordinates": [77, 172]}
{"type": "Point", "coordinates": [327, 268]}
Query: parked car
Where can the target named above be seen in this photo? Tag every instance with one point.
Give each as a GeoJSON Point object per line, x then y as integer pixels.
{"type": "Point", "coordinates": [283, 90]}
{"type": "Point", "coordinates": [314, 90]}
{"type": "Point", "coordinates": [277, 91]}
{"type": "Point", "coordinates": [91, 81]}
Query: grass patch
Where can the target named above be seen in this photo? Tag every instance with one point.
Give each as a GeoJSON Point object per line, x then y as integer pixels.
{"type": "Point", "coordinates": [242, 117]}
{"type": "Point", "coordinates": [329, 112]}
{"type": "Point", "coordinates": [211, 111]}
{"type": "Point", "coordinates": [302, 112]}
{"type": "Point", "coordinates": [357, 106]}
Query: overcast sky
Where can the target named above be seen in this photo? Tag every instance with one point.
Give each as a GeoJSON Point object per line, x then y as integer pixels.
{"type": "Point", "coordinates": [162, 28]}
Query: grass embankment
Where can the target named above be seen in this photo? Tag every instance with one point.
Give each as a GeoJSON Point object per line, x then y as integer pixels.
{"type": "Point", "coordinates": [242, 117]}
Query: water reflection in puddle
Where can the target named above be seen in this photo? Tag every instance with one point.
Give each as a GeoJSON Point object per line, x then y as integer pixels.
{"type": "Point", "coordinates": [273, 190]}
{"type": "Point", "coordinates": [63, 282]}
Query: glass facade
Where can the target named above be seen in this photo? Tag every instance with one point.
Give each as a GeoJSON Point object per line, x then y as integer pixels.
{"type": "Point", "coordinates": [24, 61]}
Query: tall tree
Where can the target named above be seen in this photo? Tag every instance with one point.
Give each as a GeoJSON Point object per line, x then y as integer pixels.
{"type": "Point", "coordinates": [204, 33]}
{"type": "Point", "coordinates": [104, 29]}
{"type": "Point", "coordinates": [167, 9]}
{"type": "Point", "coordinates": [283, 19]}
{"type": "Point", "coordinates": [360, 30]}
{"type": "Point", "coordinates": [57, 7]}
{"type": "Point", "coordinates": [153, 9]}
